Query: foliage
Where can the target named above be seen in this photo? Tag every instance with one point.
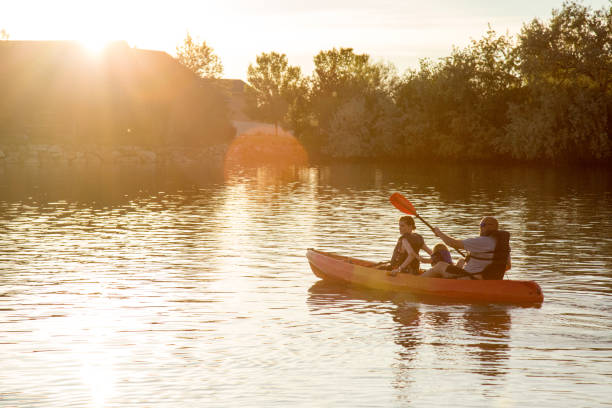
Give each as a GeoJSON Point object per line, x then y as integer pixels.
{"type": "Point", "coordinates": [566, 64]}
{"type": "Point", "coordinates": [274, 87]}
{"type": "Point", "coordinates": [199, 58]}
{"type": "Point", "coordinates": [359, 129]}
{"type": "Point", "coordinates": [349, 103]}
{"type": "Point", "coordinates": [573, 48]}
{"type": "Point", "coordinates": [544, 95]}
{"type": "Point", "coordinates": [4, 35]}
{"type": "Point", "coordinates": [456, 108]}
{"type": "Point", "coordinates": [559, 123]}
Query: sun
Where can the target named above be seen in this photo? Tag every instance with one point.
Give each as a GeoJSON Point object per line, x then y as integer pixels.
{"type": "Point", "coordinates": [95, 45]}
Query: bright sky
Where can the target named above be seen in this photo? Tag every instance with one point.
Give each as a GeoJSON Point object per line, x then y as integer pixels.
{"type": "Point", "coordinates": [397, 31]}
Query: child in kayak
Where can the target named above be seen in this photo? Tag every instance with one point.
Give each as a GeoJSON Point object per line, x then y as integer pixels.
{"type": "Point", "coordinates": [440, 254]}
{"type": "Point", "coordinates": [406, 253]}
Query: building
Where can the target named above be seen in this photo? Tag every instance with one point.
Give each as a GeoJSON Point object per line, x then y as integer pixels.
{"type": "Point", "coordinates": [58, 92]}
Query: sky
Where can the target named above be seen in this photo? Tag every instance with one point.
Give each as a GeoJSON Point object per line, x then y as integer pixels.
{"type": "Point", "coordinates": [400, 32]}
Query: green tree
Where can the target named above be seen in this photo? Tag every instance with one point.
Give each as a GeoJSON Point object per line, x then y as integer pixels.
{"type": "Point", "coordinates": [340, 75]}
{"type": "Point", "coordinates": [573, 47]}
{"type": "Point", "coordinates": [364, 128]}
{"type": "Point", "coordinates": [275, 86]}
{"type": "Point", "coordinates": [457, 108]}
{"type": "Point", "coordinates": [199, 58]}
{"type": "Point", "coordinates": [349, 99]}
{"type": "Point", "coordinates": [566, 64]}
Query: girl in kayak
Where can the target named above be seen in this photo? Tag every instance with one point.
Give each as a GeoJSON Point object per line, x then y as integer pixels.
{"type": "Point", "coordinates": [440, 254]}
{"type": "Point", "coordinates": [406, 253]}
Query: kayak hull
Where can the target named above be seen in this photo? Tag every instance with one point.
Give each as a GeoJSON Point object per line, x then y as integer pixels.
{"type": "Point", "coordinates": [334, 267]}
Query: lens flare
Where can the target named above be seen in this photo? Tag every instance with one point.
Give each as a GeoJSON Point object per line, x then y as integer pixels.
{"type": "Point", "coordinates": [263, 147]}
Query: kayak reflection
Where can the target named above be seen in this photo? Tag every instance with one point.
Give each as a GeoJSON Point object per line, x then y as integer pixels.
{"type": "Point", "coordinates": [490, 328]}
{"type": "Point", "coordinates": [471, 338]}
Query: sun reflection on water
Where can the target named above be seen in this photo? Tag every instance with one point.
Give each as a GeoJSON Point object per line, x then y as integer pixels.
{"type": "Point", "coordinates": [201, 295]}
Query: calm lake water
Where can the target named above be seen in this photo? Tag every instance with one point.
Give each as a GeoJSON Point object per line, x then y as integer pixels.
{"type": "Point", "coordinates": [141, 288]}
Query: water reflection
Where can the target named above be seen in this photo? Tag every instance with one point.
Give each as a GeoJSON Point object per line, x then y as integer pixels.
{"type": "Point", "coordinates": [100, 186]}
{"type": "Point", "coordinates": [145, 286]}
{"type": "Point", "coordinates": [426, 326]}
{"type": "Point", "coordinates": [489, 329]}
{"type": "Point", "coordinates": [439, 342]}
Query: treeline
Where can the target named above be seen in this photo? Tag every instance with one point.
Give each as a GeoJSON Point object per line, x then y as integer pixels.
{"type": "Point", "coordinates": [545, 94]}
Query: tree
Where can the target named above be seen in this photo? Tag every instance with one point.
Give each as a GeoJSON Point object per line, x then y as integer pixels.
{"type": "Point", "coordinates": [363, 129]}
{"type": "Point", "coordinates": [4, 35]}
{"type": "Point", "coordinates": [199, 58]}
{"type": "Point", "coordinates": [574, 47]}
{"type": "Point", "coordinates": [566, 65]}
{"type": "Point", "coordinates": [343, 84]}
{"type": "Point", "coordinates": [457, 107]}
{"type": "Point", "coordinates": [340, 75]}
{"type": "Point", "coordinates": [275, 86]}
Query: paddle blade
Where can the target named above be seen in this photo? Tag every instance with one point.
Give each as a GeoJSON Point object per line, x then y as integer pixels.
{"type": "Point", "coordinates": [401, 203]}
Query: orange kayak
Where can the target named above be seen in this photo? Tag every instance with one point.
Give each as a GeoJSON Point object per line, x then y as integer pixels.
{"type": "Point", "coordinates": [330, 266]}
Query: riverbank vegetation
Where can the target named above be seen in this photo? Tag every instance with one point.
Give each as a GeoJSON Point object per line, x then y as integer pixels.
{"type": "Point", "coordinates": [544, 95]}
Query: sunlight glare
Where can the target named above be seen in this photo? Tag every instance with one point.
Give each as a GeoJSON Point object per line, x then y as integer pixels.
{"type": "Point", "coordinates": [95, 45]}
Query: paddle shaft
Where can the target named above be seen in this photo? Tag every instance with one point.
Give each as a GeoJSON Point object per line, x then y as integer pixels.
{"type": "Point", "coordinates": [425, 222]}
{"type": "Point", "coordinates": [432, 229]}
{"type": "Point", "coordinates": [401, 203]}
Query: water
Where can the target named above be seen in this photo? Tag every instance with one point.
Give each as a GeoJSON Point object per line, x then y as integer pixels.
{"type": "Point", "coordinates": [143, 288]}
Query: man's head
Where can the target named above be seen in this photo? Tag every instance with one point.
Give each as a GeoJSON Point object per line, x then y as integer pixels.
{"type": "Point", "coordinates": [488, 225]}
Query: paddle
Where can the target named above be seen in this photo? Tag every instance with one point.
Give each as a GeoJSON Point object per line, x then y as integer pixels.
{"type": "Point", "coordinates": [401, 203]}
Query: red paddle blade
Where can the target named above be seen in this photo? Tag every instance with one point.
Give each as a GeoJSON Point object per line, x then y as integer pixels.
{"type": "Point", "coordinates": [401, 203]}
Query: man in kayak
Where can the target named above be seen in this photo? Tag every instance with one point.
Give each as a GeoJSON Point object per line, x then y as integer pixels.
{"type": "Point", "coordinates": [488, 258]}
{"type": "Point", "coordinates": [406, 253]}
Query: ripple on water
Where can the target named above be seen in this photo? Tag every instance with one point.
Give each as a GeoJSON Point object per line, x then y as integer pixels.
{"type": "Point", "coordinates": [169, 296]}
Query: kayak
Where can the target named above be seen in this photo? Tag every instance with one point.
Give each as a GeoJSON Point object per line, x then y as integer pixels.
{"type": "Point", "coordinates": [334, 267]}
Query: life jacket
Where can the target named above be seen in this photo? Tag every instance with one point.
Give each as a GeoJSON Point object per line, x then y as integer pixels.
{"type": "Point", "coordinates": [497, 268]}
{"type": "Point", "coordinates": [416, 242]}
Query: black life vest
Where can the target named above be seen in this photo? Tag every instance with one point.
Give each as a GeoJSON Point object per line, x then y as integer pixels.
{"type": "Point", "coordinates": [416, 242]}
{"type": "Point", "coordinates": [497, 268]}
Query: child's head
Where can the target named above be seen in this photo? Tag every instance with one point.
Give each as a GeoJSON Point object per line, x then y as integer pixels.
{"type": "Point", "coordinates": [440, 247]}
{"type": "Point", "coordinates": [441, 253]}
{"type": "Point", "coordinates": [406, 224]}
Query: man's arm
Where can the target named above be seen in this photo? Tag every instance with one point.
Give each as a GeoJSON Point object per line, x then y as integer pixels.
{"type": "Point", "coordinates": [455, 243]}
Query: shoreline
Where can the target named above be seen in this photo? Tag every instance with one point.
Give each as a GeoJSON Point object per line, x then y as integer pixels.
{"type": "Point", "coordinates": [92, 155]}
{"type": "Point", "coordinates": [30, 155]}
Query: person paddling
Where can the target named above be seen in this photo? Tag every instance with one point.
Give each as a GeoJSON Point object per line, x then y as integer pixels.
{"type": "Point", "coordinates": [406, 253]}
{"type": "Point", "coordinates": [488, 258]}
